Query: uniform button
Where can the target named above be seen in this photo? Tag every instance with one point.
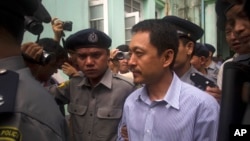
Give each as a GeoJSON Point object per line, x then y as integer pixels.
{"type": "Point", "coordinates": [89, 132]}
{"type": "Point", "coordinates": [108, 115]}
{"type": "Point", "coordinates": [1, 100]}
{"type": "Point", "coordinates": [91, 114]}
{"type": "Point", "coordinates": [2, 71]}
{"type": "Point", "coordinates": [75, 110]}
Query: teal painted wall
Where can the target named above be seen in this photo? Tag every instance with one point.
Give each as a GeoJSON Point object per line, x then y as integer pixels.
{"type": "Point", "coordinates": [116, 22]}
{"type": "Point", "coordinates": [148, 9]}
{"type": "Point", "coordinates": [66, 10]}
{"type": "Point", "coordinates": [210, 25]}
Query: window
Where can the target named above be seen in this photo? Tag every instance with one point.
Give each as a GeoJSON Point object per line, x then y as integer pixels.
{"type": "Point", "coordinates": [132, 6]}
{"type": "Point", "coordinates": [130, 20]}
{"type": "Point", "coordinates": [98, 14]}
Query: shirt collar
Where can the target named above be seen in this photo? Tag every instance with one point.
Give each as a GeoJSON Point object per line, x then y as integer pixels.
{"type": "Point", "coordinates": [172, 95]}
{"type": "Point", "coordinates": [212, 65]}
{"type": "Point", "coordinates": [12, 63]}
{"type": "Point", "coordinates": [106, 80]}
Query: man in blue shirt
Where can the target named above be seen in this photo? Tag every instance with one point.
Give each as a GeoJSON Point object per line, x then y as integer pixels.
{"type": "Point", "coordinates": [165, 108]}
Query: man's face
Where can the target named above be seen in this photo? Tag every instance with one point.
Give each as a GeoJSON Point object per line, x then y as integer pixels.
{"type": "Point", "coordinates": [44, 72]}
{"type": "Point", "coordinates": [183, 55]}
{"type": "Point", "coordinates": [123, 68]}
{"type": "Point", "coordinates": [93, 62]}
{"type": "Point", "coordinates": [145, 63]}
{"type": "Point", "coordinates": [239, 24]}
{"type": "Point", "coordinates": [198, 62]}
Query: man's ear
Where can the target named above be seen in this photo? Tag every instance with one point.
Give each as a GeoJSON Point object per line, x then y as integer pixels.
{"type": "Point", "coordinates": [190, 47]}
{"type": "Point", "coordinates": [167, 57]}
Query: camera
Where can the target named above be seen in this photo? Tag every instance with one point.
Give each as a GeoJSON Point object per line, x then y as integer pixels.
{"type": "Point", "coordinates": [67, 25]}
{"type": "Point", "coordinates": [121, 55]}
{"type": "Point", "coordinates": [201, 81]}
{"type": "Point", "coordinates": [45, 58]}
{"type": "Point", "coordinates": [33, 25]}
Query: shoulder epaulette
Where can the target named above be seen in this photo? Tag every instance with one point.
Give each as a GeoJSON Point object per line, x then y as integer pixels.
{"type": "Point", "coordinates": [128, 80]}
{"type": "Point", "coordinates": [8, 90]}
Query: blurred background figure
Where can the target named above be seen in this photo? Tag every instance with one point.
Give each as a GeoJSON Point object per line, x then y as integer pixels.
{"type": "Point", "coordinates": [44, 59]}
{"type": "Point", "coordinates": [119, 61]}
{"type": "Point", "coordinates": [51, 59]}
{"type": "Point", "coordinates": [199, 60]}
{"type": "Point", "coordinates": [211, 66]}
{"type": "Point", "coordinates": [69, 67]}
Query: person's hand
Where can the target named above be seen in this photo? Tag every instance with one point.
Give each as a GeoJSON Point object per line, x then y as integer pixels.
{"type": "Point", "coordinates": [215, 92]}
{"type": "Point", "coordinates": [114, 63]}
{"type": "Point", "coordinates": [32, 50]}
{"type": "Point", "coordinates": [57, 27]}
{"type": "Point", "coordinates": [69, 70]}
{"type": "Point", "coordinates": [124, 133]}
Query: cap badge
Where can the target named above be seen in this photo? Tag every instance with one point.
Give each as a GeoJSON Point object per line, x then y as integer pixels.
{"type": "Point", "coordinates": [93, 37]}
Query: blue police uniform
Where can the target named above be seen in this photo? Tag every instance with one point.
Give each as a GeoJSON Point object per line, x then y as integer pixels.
{"type": "Point", "coordinates": [191, 32]}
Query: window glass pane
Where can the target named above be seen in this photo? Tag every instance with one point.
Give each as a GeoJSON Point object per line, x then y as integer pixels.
{"type": "Point", "coordinates": [128, 2]}
{"type": "Point", "coordinates": [129, 22]}
{"type": "Point", "coordinates": [97, 24]}
{"type": "Point", "coordinates": [96, 11]}
{"type": "Point", "coordinates": [128, 34]}
{"type": "Point", "coordinates": [132, 6]}
{"type": "Point", "coordinates": [127, 9]}
{"type": "Point", "coordinates": [136, 5]}
{"type": "Point", "coordinates": [127, 42]}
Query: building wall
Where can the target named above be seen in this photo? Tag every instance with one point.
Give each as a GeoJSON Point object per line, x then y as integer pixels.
{"type": "Point", "coordinates": [66, 10]}
{"type": "Point", "coordinates": [202, 12]}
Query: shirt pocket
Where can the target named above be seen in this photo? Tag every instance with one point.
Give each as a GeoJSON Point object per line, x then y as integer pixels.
{"type": "Point", "coordinates": [77, 109]}
{"type": "Point", "coordinates": [109, 113]}
{"type": "Point", "coordinates": [108, 120]}
{"type": "Point", "coordinates": [77, 118]}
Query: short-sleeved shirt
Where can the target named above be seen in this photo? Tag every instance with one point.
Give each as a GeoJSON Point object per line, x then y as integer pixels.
{"type": "Point", "coordinates": [95, 111]}
{"type": "Point", "coordinates": [213, 70]}
{"type": "Point", "coordinates": [185, 114]}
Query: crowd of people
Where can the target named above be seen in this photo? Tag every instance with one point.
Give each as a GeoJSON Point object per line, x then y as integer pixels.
{"type": "Point", "coordinates": [164, 85]}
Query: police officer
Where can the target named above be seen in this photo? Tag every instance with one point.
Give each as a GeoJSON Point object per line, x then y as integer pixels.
{"type": "Point", "coordinates": [212, 67]}
{"type": "Point", "coordinates": [188, 33]}
{"type": "Point", "coordinates": [199, 60]}
{"type": "Point", "coordinates": [27, 110]}
{"type": "Point", "coordinates": [95, 99]}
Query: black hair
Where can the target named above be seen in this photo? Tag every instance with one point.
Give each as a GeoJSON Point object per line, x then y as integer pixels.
{"type": "Point", "coordinates": [123, 48]}
{"type": "Point", "coordinates": [51, 46]}
{"type": "Point", "coordinates": [163, 35]}
{"type": "Point", "coordinates": [185, 40]}
{"type": "Point", "coordinates": [13, 24]}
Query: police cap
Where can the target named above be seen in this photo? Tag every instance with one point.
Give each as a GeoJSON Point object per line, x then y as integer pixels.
{"type": "Point", "coordinates": [185, 28]}
{"type": "Point", "coordinates": [210, 47]}
{"type": "Point", "coordinates": [221, 7]}
{"type": "Point", "coordinates": [123, 48]}
{"type": "Point", "coordinates": [201, 50]}
{"type": "Point", "coordinates": [88, 38]}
